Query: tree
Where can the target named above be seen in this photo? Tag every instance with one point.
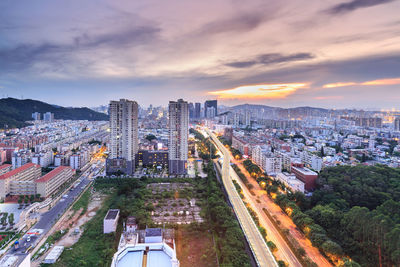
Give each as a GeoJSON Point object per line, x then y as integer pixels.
{"type": "Point", "coordinates": [331, 248]}
{"type": "Point", "coordinates": [151, 137]}
{"type": "Point", "coordinates": [11, 219]}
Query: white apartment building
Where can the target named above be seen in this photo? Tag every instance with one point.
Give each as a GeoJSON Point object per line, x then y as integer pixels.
{"type": "Point", "coordinates": [311, 160]}
{"type": "Point", "coordinates": [44, 159]}
{"type": "Point", "coordinates": [124, 136]}
{"type": "Point", "coordinates": [178, 136]}
{"type": "Point", "coordinates": [20, 181]}
{"type": "Point", "coordinates": [272, 164]}
{"type": "Point", "coordinates": [48, 116]}
{"type": "Point", "coordinates": [291, 181]}
{"type": "Point", "coordinates": [21, 158]}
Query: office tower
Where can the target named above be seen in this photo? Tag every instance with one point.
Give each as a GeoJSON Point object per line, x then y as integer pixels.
{"type": "Point", "coordinates": [397, 124]}
{"type": "Point", "coordinates": [124, 136]}
{"type": "Point", "coordinates": [210, 108]}
{"type": "Point", "coordinates": [48, 117]}
{"type": "Point", "coordinates": [191, 110]}
{"type": "Point", "coordinates": [178, 136]}
{"type": "Point", "coordinates": [197, 110]}
{"type": "Point", "coordinates": [36, 116]}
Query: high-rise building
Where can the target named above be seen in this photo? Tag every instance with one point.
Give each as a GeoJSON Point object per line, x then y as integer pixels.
{"type": "Point", "coordinates": [36, 116]}
{"type": "Point", "coordinates": [197, 110]}
{"type": "Point", "coordinates": [178, 136]}
{"type": "Point", "coordinates": [48, 116]}
{"type": "Point", "coordinates": [397, 124]}
{"type": "Point", "coordinates": [124, 136]}
{"type": "Point", "coordinates": [208, 105]}
{"type": "Point", "coordinates": [191, 111]}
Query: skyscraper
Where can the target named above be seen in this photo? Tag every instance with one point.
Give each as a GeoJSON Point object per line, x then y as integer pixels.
{"type": "Point", "coordinates": [178, 136]}
{"type": "Point", "coordinates": [124, 136]}
{"type": "Point", "coordinates": [397, 124]}
{"type": "Point", "coordinates": [48, 117]}
{"type": "Point", "coordinates": [191, 111]}
{"type": "Point", "coordinates": [210, 108]}
{"type": "Point", "coordinates": [197, 110]}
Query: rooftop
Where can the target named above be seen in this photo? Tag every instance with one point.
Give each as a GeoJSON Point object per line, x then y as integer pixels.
{"type": "Point", "coordinates": [305, 171]}
{"type": "Point", "coordinates": [5, 166]}
{"type": "Point", "coordinates": [18, 170]}
{"type": "Point", "coordinates": [153, 232]}
{"type": "Point", "coordinates": [52, 174]}
{"type": "Point", "coordinates": [112, 214]}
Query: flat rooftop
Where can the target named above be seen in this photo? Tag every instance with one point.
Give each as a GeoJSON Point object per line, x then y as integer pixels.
{"type": "Point", "coordinates": [112, 214]}
{"type": "Point", "coordinates": [153, 232]}
{"type": "Point", "coordinates": [305, 171]}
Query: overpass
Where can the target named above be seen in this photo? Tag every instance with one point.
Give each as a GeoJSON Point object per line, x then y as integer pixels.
{"type": "Point", "coordinates": [258, 246]}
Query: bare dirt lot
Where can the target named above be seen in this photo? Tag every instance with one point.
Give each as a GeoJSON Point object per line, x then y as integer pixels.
{"type": "Point", "coordinates": [73, 222]}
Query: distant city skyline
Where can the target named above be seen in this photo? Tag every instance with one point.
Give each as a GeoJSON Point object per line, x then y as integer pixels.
{"type": "Point", "coordinates": [287, 54]}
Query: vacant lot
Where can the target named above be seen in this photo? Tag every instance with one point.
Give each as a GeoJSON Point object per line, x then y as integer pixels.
{"type": "Point", "coordinates": [195, 247]}
{"type": "Point", "coordinates": [174, 203]}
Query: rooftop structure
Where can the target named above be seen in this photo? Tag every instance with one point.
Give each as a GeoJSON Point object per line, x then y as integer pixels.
{"type": "Point", "coordinates": [149, 254]}
{"type": "Point", "coordinates": [110, 221]}
{"type": "Point", "coordinates": [54, 254]}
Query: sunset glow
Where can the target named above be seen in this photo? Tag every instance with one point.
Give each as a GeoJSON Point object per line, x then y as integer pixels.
{"type": "Point", "coordinates": [334, 85]}
{"type": "Point", "coordinates": [260, 91]}
{"type": "Point", "coordinates": [393, 81]}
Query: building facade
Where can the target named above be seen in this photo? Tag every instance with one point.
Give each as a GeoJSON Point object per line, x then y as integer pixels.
{"type": "Point", "coordinates": [178, 137]}
{"type": "Point", "coordinates": [124, 136]}
{"type": "Point", "coordinates": [50, 182]}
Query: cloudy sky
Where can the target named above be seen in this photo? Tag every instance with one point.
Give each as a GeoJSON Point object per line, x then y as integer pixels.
{"type": "Point", "coordinates": [331, 53]}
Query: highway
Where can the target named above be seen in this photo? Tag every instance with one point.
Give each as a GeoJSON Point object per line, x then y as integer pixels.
{"type": "Point", "coordinates": [258, 246]}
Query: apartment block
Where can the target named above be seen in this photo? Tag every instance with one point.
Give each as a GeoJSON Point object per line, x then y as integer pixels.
{"type": "Point", "coordinates": [124, 136]}
{"type": "Point", "coordinates": [20, 181]}
{"type": "Point", "coordinates": [50, 182]}
{"type": "Point", "coordinates": [178, 137]}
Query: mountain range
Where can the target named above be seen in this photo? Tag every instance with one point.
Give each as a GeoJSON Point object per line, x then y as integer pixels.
{"type": "Point", "coordinates": [15, 112]}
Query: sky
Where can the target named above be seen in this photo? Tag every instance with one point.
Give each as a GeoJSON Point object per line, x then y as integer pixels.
{"type": "Point", "coordinates": [331, 53]}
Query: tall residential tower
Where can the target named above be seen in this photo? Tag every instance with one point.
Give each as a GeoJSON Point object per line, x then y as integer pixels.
{"type": "Point", "coordinates": [124, 136]}
{"type": "Point", "coordinates": [178, 136]}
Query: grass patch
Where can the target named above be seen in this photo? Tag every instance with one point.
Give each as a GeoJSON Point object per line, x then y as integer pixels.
{"type": "Point", "coordinates": [93, 248]}
{"type": "Point", "coordinates": [195, 247]}
{"type": "Point", "coordinates": [83, 202]}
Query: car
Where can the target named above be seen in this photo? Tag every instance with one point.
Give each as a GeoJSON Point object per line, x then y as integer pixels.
{"type": "Point", "coordinates": [28, 239]}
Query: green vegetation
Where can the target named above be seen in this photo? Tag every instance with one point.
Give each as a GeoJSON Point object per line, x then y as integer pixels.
{"type": "Point", "coordinates": [82, 203]}
{"type": "Point", "coordinates": [355, 211]}
{"type": "Point", "coordinates": [222, 221]}
{"type": "Point", "coordinates": [252, 168]}
{"type": "Point", "coordinates": [151, 137]}
{"type": "Point", "coordinates": [14, 112]}
{"type": "Point", "coordinates": [204, 146]}
{"type": "Point", "coordinates": [92, 142]}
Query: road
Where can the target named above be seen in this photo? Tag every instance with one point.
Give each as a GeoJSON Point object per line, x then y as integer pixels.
{"type": "Point", "coordinates": [48, 219]}
{"type": "Point", "coordinates": [284, 252]}
{"type": "Point", "coordinates": [285, 221]}
{"type": "Point", "coordinates": [258, 246]}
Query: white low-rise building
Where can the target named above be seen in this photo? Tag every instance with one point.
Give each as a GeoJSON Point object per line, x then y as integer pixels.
{"type": "Point", "coordinates": [111, 221]}
{"type": "Point", "coordinates": [291, 181]}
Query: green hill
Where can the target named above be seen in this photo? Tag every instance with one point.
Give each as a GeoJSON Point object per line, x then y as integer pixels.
{"type": "Point", "coordinates": [15, 112]}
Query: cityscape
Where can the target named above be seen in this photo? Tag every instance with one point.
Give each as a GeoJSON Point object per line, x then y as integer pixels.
{"type": "Point", "coordinates": [200, 134]}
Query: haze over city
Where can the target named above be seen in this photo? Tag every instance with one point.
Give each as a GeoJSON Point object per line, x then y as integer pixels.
{"type": "Point", "coordinates": [279, 53]}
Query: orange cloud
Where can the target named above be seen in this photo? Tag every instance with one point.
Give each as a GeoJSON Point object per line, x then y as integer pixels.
{"type": "Point", "coordinates": [260, 91]}
{"type": "Point", "coordinates": [374, 82]}
{"type": "Point", "coordinates": [334, 85]}
{"type": "Point", "coordinates": [383, 82]}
